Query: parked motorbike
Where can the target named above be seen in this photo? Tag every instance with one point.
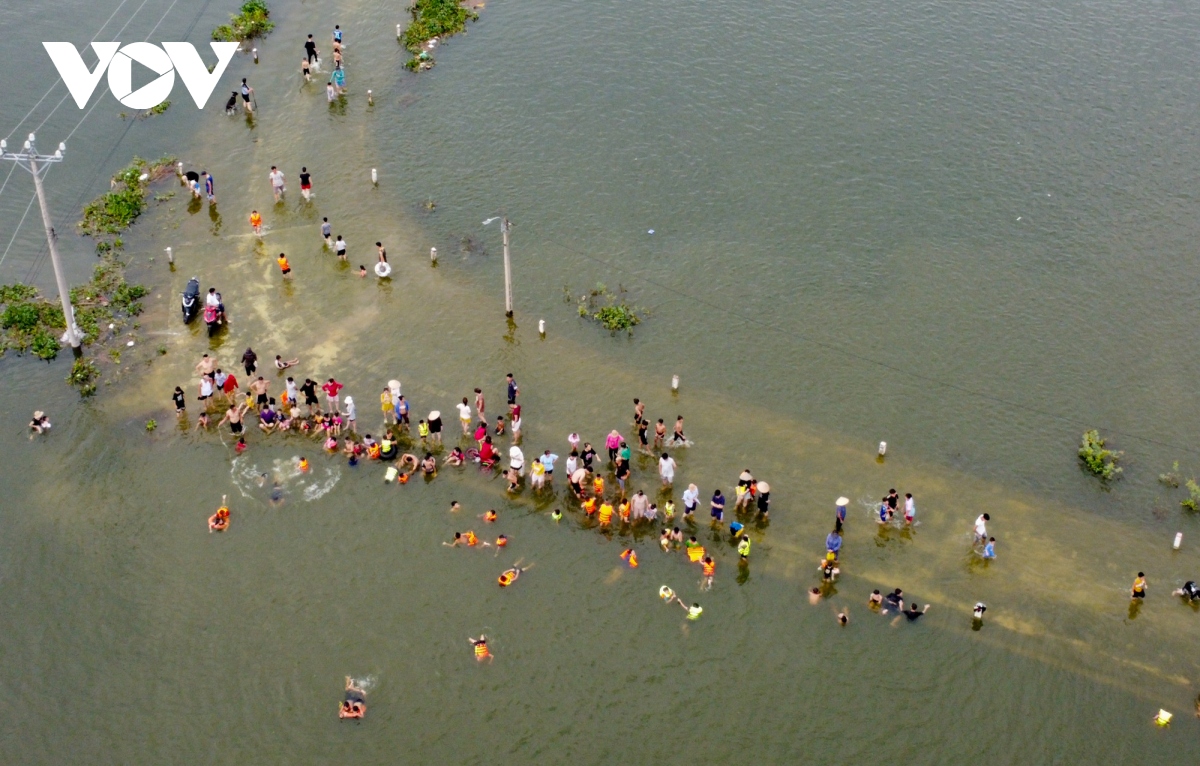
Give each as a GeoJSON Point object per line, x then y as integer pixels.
{"type": "Point", "coordinates": [190, 305]}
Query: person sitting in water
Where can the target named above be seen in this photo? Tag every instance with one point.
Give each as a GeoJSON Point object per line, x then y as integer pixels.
{"type": "Point", "coordinates": [331, 444]}
{"type": "Point", "coordinates": [40, 423]}
{"type": "Point", "coordinates": [429, 465]}
{"type": "Point", "coordinates": [487, 453]}
{"type": "Point", "coordinates": [388, 449]}
{"type": "Point", "coordinates": [280, 364]}
{"type": "Point", "coordinates": [410, 460]}
{"type": "Point", "coordinates": [355, 703]}
{"type": "Point", "coordinates": [1190, 591]}
{"type": "Point", "coordinates": [456, 457]}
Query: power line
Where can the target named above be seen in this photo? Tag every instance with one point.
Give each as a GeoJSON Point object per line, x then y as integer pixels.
{"type": "Point", "coordinates": [118, 34]}
{"type": "Point", "coordinates": [851, 354]}
{"type": "Point", "coordinates": [39, 259]}
{"type": "Point", "coordinates": [14, 234]}
{"type": "Point", "coordinates": [56, 82]}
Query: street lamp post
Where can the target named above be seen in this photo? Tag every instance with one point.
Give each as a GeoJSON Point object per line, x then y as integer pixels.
{"type": "Point", "coordinates": [37, 165]}
{"type": "Point", "coordinates": [505, 227]}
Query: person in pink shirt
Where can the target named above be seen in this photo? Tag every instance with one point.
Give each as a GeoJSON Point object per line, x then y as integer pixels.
{"type": "Point", "coordinates": [613, 442]}
{"type": "Point", "coordinates": [331, 390]}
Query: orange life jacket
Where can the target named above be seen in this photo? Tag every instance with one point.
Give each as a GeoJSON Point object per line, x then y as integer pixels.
{"type": "Point", "coordinates": [710, 568]}
{"type": "Point", "coordinates": [630, 556]}
{"type": "Point", "coordinates": [472, 540]}
{"type": "Point", "coordinates": [606, 512]}
{"type": "Point", "coordinates": [481, 650]}
{"type": "Point", "coordinates": [598, 485]}
{"type": "Point", "coordinates": [624, 506]}
{"type": "Point", "coordinates": [506, 579]}
{"type": "Point", "coordinates": [304, 465]}
{"type": "Point", "coordinates": [589, 506]}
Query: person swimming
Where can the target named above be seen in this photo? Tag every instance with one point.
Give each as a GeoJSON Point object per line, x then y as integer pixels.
{"type": "Point", "coordinates": [509, 576]}
{"type": "Point", "coordinates": [354, 705]}
{"type": "Point", "coordinates": [219, 521]}
{"type": "Point", "coordinates": [481, 648]}
{"type": "Point", "coordinates": [1190, 591]}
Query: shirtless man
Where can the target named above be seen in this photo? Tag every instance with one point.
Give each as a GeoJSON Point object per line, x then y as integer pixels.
{"type": "Point", "coordinates": [206, 365]}
{"type": "Point", "coordinates": [678, 437]}
{"type": "Point", "coordinates": [234, 417]}
{"type": "Point", "coordinates": [259, 389]}
{"type": "Point", "coordinates": [639, 409]}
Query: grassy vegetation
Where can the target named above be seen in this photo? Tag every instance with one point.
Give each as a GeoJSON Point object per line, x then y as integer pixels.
{"type": "Point", "coordinates": [112, 213]}
{"type": "Point", "coordinates": [1096, 459]}
{"type": "Point", "coordinates": [29, 322]}
{"type": "Point", "coordinates": [433, 18]}
{"type": "Point", "coordinates": [610, 310]}
{"type": "Point", "coordinates": [251, 21]}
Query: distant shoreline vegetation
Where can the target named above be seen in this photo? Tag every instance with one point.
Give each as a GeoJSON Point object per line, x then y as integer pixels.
{"type": "Point", "coordinates": [250, 22]}
{"type": "Point", "coordinates": [432, 18]}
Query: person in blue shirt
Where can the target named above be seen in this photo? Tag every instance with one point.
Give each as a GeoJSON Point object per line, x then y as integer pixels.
{"type": "Point", "coordinates": [833, 543]}
{"type": "Point", "coordinates": [210, 189]}
{"type": "Point", "coordinates": [989, 550]}
{"type": "Point", "coordinates": [885, 512]}
{"type": "Point", "coordinates": [513, 390]}
{"type": "Point", "coordinates": [548, 459]}
{"type": "Point", "coordinates": [337, 33]}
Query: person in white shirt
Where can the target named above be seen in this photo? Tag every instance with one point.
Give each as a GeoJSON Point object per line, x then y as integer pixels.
{"type": "Point", "coordinates": [666, 469]}
{"type": "Point", "coordinates": [464, 415]}
{"type": "Point", "coordinates": [981, 527]}
{"type": "Point", "coordinates": [277, 182]}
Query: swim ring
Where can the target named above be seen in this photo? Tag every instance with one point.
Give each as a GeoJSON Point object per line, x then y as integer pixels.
{"type": "Point", "coordinates": [383, 269]}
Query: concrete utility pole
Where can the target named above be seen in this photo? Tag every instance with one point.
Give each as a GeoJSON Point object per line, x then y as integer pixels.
{"type": "Point", "coordinates": [37, 165]}
{"type": "Point", "coordinates": [505, 227]}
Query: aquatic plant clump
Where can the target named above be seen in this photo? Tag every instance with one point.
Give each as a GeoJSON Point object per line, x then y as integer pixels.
{"type": "Point", "coordinates": [616, 315]}
{"type": "Point", "coordinates": [1096, 459]}
{"type": "Point", "coordinates": [116, 211]}
{"type": "Point", "coordinates": [250, 22]}
{"type": "Point", "coordinates": [29, 322]}
{"type": "Point", "coordinates": [433, 18]}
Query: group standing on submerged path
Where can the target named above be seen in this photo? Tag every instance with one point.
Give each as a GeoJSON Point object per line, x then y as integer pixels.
{"type": "Point", "coordinates": [605, 495]}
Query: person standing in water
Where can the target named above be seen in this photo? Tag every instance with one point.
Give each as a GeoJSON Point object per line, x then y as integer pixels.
{"type": "Point", "coordinates": [678, 438]}
{"type": "Point", "coordinates": [666, 469]}
{"type": "Point", "coordinates": [326, 232]}
{"type": "Point", "coordinates": [1139, 586]}
{"type": "Point", "coordinates": [247, 96]}
{"type": "Point", "coordinates": [210, 187]}
{"type": "Point", "coordinates": [277, 183]}
{"type": "Point", "coordinates": [305, 184]}
{"type": "Point", "coordinates": [310, 50]}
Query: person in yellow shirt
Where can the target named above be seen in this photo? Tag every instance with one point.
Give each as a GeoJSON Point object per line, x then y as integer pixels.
{"type": "Point", "coordinates": [389, 408]}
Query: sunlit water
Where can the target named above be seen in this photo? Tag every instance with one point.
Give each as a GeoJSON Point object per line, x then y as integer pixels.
{"type": "Point", "coordinates": [965, 229]}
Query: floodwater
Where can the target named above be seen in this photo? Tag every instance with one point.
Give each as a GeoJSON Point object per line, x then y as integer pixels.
{"type": "Point", "coordinates": [963, 228]}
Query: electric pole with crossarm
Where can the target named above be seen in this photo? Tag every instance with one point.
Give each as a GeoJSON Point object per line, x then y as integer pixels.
{"type": "Point", "coordinates": [37, 165]}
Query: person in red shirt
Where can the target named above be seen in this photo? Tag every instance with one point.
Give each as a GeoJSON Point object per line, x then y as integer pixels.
{"type": "Point", "coordinates": [331, 390]}
{"type": "Point", "coordinates": [487, 453]}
